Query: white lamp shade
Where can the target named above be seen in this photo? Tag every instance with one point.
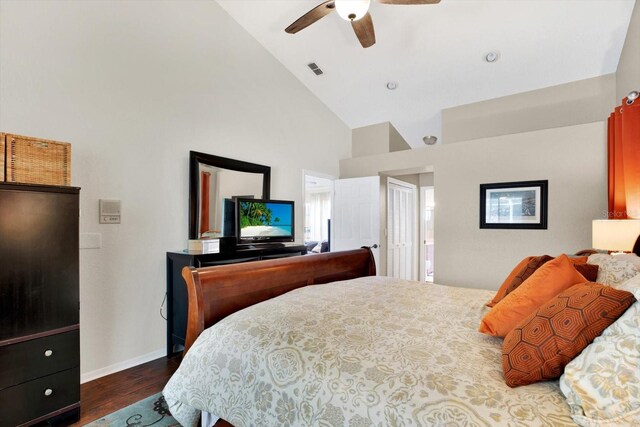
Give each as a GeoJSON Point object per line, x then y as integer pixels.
{"type": "Point", "coordinates": [348, 8]}
{"type": "Point", "coordinates": [615, 234]}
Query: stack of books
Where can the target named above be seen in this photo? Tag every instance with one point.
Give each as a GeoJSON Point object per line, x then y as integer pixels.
{"type": "Point", "coordinates": [206, 246]}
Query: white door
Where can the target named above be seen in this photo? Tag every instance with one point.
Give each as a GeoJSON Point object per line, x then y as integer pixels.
{"type": "Point", "coordinates": [356, 215]}
{"type": "Point", "coordinates": [400, 229]}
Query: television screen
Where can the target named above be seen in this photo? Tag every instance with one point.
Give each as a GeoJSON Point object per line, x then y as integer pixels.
{"type": "Point", "coordinates": [260, 220]}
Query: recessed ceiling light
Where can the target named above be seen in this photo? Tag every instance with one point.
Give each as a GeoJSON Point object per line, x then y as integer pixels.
{"type": "Point", "coordinates": [392, 85]}
{"type": "Point", "coordinates": [492, 56]}
{"type": "Point", "coordinates": [430, 139]}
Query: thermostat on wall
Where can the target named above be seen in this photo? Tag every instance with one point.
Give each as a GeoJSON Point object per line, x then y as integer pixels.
{"type": "Point", "coordinates": [109, 211]}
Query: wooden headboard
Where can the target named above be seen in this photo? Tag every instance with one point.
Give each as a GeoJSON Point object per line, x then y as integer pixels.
{"type": "Point", "coordinates": [216, 292]}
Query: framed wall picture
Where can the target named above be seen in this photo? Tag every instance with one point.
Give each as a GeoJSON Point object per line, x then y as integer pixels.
{"type": "Point", "coordinates": [520, 205]}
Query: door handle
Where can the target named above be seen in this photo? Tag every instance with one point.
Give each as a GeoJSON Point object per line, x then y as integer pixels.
{"type": "Point", "coordinates": [375, 246]}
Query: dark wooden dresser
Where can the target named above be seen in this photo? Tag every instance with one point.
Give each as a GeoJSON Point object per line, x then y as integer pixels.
{"type": "Point", "coordinates": [177, 299]}
{"type": "Point", "coordinates": [39, 304]}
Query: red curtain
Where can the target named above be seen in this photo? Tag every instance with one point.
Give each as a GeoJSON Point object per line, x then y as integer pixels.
{"type": "Point", "coordinates": [623, 153]}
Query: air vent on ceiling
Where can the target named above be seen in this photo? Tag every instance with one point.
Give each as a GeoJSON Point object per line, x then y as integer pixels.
{"type": "Point", "coordinates": [316, 70]}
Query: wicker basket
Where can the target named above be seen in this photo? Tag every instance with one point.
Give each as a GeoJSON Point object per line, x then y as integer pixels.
{"type": "Point", "coordinates": [37, 161]}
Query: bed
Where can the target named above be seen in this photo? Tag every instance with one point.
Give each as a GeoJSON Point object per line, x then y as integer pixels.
{"type": "Point", "coordinates": [341, 346]}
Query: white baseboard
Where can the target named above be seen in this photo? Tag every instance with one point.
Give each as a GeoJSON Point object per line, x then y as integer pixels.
{"type": "Point", "coordinates": [121, 366]}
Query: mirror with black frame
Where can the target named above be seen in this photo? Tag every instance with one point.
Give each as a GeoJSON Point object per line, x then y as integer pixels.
{"type": "Point", "coordinates": [214, 182]}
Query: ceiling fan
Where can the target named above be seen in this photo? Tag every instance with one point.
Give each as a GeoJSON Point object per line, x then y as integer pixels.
{"type": "Point", "coordinates": [355, 11]}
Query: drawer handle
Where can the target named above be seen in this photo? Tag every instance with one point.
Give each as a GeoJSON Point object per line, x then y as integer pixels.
{"type": "Point", "coordinates": [48, 353]}
{"type": "Point", "coordinates": [48, 392]}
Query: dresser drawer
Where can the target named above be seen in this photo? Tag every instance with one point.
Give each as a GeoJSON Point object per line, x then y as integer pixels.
{"type": "Point", "coordinates": [36, 358]}
{"type": "Point", "coordinates": [39, 397]}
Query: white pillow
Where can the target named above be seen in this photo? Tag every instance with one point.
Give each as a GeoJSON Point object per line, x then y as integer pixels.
{"type": "Point", "coordinates": [615, 269]}
{"type": "Point", "coordinates": [632, 285]}
{"type": "Point", "coordinates": [602, 384]}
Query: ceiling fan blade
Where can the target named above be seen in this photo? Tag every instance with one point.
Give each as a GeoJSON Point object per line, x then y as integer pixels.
{"type": "Point", "coordinates": [318, 12]}
{"type": "Point", "coordinates": [364, 30]}
{"type": "Point", "coordinates": [409, 1]}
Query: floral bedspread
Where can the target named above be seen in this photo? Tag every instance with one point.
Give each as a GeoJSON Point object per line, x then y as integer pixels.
{"type": "Point", "coordinates": [373, 351]}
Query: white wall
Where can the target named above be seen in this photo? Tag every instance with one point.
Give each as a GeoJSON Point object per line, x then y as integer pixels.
{"type": "Point", "coordinates": [582, 101]}
{"type": "Point", "coordinates": [396, 141]}
{"type": "Point", "coordinates": [372, 139]}
{"type": "Point", "coordinates": [628, 73]}
{"type": "Point", "coordinates": [572, 158]}
{"type": "Point", "coordinates": [376, 139]}
{"type": "Point", "coordinates": [426, 180]}
{"type": "Point", "coordinates": [134, 86]}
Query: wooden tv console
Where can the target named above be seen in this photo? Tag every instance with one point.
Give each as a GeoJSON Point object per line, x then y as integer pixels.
{"type": "Point", "coordinates": [177, 298]}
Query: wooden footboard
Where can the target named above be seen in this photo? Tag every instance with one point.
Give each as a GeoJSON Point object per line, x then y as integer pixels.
{"type": "Point", "coordinates": [216, 292]}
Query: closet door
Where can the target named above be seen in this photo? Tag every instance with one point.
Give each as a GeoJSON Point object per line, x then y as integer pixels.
{"type": "Point", "coordinates": [401, 202]}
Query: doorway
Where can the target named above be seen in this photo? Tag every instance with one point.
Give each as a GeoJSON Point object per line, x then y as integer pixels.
{"type": "Point", "coordinates": [318, 197]}
{"type": "Point", "coordinates": [427, 208]}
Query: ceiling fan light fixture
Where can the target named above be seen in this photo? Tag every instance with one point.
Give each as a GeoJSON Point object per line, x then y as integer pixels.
{"type": "Point", "coordinates": [352, 10]}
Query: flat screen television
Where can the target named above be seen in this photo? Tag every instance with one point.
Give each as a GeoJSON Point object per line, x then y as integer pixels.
{"type": "Point", "coordinates": [261, 221]}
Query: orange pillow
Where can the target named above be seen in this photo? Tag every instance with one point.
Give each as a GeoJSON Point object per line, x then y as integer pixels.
{"type": "Point", "coordinates": [526, 268]}
{"type": "Point", "coordinates": [502, 291]}
{"type": "Point", "coordinates": [548, 281]}
{"type": "Point", "coordinates": [535, 262]}
{"type": "Point", "coordinates": [540, 346]}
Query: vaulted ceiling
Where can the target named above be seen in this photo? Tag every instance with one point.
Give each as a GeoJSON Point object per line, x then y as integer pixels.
{"type": "Point", "coordinates": [435, 53]}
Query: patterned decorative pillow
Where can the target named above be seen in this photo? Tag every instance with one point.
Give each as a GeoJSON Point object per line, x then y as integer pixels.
{"type": "Point", "coordinates": [523, 270]}
{"type": "Point", "coordinates": [542, 344]}
{"type": "Point", "coordinates": [615, 269]}
{"type": "Point", "coordinates": [602, 385]}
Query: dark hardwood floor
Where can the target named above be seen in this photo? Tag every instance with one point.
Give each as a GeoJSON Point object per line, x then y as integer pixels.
{"type": "Point", "coordinates": [112, 392]}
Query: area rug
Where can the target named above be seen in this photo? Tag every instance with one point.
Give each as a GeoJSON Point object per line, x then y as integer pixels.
{"type": "Point", "coordinates": [152, 411]}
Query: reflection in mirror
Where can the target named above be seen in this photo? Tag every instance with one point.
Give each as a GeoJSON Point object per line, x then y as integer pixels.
{"type": "Point", "coordinates": [213, 183]}
{"type": "Point", "coordinates": [218, 188]}
{"type": "Point", "coordinates": [318, 193]}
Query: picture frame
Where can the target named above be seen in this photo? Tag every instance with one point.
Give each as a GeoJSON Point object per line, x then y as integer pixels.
{"type": "Point", "coordinates": [514, 205]}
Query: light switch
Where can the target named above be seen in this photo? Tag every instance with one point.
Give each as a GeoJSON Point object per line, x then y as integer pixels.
{"type": "Point", "coordinates": [109, 211]}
